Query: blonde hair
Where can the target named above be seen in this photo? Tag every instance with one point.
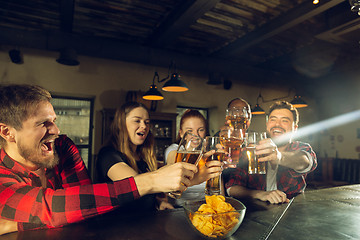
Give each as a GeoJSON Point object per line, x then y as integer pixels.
{"type": "Point", "coordinates": [120, 140]}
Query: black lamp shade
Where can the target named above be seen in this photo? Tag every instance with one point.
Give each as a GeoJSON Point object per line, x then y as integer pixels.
{"type": "Point", "coordinates": [298, 102]}
{"type": "Point", "coordinates": [15, 56]}
{"type": "Point", "coordinates": [68, 57]}
{"type": "Point", "coordinates": [153, 94]}
{"type": "Point", "coordinates": [175, 84]}
{"type": "Point", "coordinates": [257, 110]}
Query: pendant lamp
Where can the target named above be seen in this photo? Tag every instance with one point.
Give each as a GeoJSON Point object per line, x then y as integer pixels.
{"type": "Point", "coordinates": [298, 102]}
{"type": "Point", "coordinates": [175, 84]}
{"type": "Point", "coordinates": [153, 93]}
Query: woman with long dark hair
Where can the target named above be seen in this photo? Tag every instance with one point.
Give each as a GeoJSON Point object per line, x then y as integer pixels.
{"type": "Point", "coordinates": [130, 152]}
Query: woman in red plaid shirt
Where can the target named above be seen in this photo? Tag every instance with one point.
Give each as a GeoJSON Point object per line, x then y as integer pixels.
{"type": "Point", "coordinates": [288, 161]}
{"type": "Point", "coordinates": [43, 180]}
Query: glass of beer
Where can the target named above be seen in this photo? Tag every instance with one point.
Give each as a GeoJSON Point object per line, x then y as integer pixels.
{"type": "Point", "coordinates": [190, 151]}
{"type": "Point", "coordinates": [237, 118]}
{"type": "Point", "coordinates": [214, 143]}
{"type": "Point", "coordinates": [254, 166]}
{"type": "Point", "coordinates": [232, 139]}
{"type": "Point", "coordinates": [261, 165]}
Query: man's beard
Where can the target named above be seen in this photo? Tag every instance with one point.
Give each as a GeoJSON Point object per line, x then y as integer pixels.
{"type": "Point", "coordinates": [281, 140]}
{"type": "Point", "coordinates": [32, 155]}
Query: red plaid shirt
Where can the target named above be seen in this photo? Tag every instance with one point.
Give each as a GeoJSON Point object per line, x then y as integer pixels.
{"type": "Point", "coordinates": [288, 180]}
{"type": "Point", "coordinates": [69, 196]}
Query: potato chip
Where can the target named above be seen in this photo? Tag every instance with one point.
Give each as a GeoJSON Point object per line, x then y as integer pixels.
{"type": "Point", "coordinates": [205, 208]}
{"type": "Point", "coordinates": [222, 219]}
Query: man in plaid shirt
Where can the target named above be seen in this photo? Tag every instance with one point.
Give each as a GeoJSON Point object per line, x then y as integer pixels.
{"type": "Point", "coordinates": [43, 180]}
{"type": "Point", "coordinates": [288, 162]}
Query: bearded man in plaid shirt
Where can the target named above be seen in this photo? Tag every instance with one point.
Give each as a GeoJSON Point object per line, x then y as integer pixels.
{"type": "Point", "coordinates": [43, 180]}
{"type": "Point", "coordinates": [288, 161]}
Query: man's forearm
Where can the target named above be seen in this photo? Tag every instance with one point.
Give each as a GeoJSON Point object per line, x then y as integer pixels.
{"type": "Point", "coordinates": [242, 192]}
{"type": "Point", "coordinates": [295, 160]}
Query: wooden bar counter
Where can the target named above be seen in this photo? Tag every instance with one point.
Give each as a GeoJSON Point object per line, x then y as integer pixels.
{"type": "Point", "coordinates": [332, 213]}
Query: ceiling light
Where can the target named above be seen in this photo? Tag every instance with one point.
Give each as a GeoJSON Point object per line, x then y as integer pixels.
{"type": "Point", "coordinates": [355, 6]}
{"type": "Point", "coordinates": [175, 84]}
{"type": "Point", "coordinates": [298, 102]}
{"type": "Point", "coordinates": [153, 93]}
{"type": "Point", "coordinates": [15, 56]}
{"type": "Point", "coordinates": [257, 110]}
{"type": "Point", "coordinates": [68, 57]}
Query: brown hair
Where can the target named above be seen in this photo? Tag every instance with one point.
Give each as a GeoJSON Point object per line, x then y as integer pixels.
{"type": "Point", "coordinates": [18, 103]}
{"type": "Point", "coordinates": [120, 140]}
{"type": "Point", "coordinates": [286, 105]}
{"type": "Point", "coordinates": [190, 113]}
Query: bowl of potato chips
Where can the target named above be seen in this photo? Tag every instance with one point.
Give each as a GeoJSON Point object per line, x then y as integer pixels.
{"type": "Point", "coordinates": [216, 217]}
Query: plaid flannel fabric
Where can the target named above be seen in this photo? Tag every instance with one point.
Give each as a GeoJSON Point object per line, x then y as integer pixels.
{"type": "Point", "coordinates": [288, 180]}
{"type": "Point", "coordinates": [69, 196]}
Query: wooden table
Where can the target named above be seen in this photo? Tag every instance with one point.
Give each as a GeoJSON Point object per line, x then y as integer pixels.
{"type": "Point", "coordinates": [332, 213]}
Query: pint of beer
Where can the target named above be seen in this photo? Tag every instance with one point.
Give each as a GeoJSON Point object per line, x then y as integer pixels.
{"type": "Point", "coordinates": [261, 165]}
{"type": "Point", "coordinates": [212, 186]}
{"type": "Point", "coordinates": [261, 168]}
{"type": "Point", "coordinates": [188, 156]}
{"type": "Point", "coordinates": [253, 164]}
{"type": "Point", "coordinates": [237, 117]}
{"type": "Point", "coordinates": [190, 151]}
{"type": "Point", "coordinates": [255, 167]}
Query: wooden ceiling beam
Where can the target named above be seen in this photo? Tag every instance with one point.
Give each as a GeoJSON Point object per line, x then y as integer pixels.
{"type": "Point", "coordinates": [179, 20]}
{"type": "Point", "coordinates": [66, 11]}
{"type": "Point", "coordinates": [108, 48]}
{"type": "Point", "coordinates": [288, 20]}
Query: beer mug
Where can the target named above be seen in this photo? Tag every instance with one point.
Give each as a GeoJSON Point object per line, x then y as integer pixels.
{"type": "Point", "coordinates": [252, 139]}
{"type": "Point", "coordinates": [190, 151]}
{"type": "Point", "coordinates": [214, 143]}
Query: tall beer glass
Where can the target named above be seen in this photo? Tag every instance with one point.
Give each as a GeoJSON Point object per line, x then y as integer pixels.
{"type": "Point", "coordinates": [254, 166]}
{"type": "Point", "coordinates": [261, 165]}
{"type": "Point", "coordinates": [233, 134]}
{"type": "Point", "coordinates": [232, 139]}
{"type": "Point", "coordinates": [213, 185]}
{"type": "Point", "coordinates": [190, 151]}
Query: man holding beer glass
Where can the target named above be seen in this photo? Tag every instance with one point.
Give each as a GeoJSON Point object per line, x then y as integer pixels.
{"type": "Point", "coordinates": [237, 121]}
{"type": "Point", "coordinates": [288, 161]}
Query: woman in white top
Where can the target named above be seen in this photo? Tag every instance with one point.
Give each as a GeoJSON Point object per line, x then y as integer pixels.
{"type": "Point", "coordinates": [194, 121]}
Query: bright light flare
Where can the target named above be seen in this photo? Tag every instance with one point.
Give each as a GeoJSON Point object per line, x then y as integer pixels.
{"type": "Point", "coordinates": [320, 126]}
